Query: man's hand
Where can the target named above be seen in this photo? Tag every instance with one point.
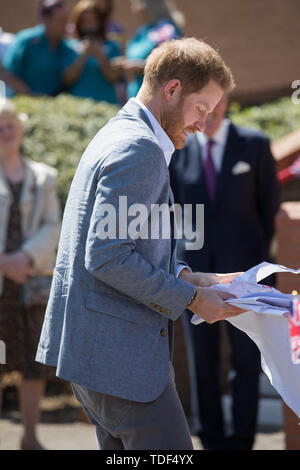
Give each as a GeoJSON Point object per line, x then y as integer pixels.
{"type": "Point", "coordinates": [209, 305]}
{"type": "Point", "coordinates": [207, 279]}
{"type": "Point", "coordinates": [16, 266]}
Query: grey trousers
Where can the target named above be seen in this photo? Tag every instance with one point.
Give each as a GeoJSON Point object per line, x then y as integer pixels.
{"type": "Point", "coordinates": [127, 425]}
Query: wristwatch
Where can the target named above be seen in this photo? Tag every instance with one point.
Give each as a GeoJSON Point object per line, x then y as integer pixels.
{"type": "Point", "coordinates": [193, 298]}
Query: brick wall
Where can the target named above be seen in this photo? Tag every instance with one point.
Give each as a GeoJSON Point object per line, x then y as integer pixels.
{"type": "Point", "coordinates": [258, 39]}
{"type": "Point", "coordinates": [288, 254]}
{"type": "Point", "coordinates": [285, 151]}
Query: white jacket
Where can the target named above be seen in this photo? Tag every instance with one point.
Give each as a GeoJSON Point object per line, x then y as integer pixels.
{"type": "Point", "coordinates": [40, 212]}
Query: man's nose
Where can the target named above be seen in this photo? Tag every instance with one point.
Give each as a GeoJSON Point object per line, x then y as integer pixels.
{"type": "Point", "coordinates": [200, 125]}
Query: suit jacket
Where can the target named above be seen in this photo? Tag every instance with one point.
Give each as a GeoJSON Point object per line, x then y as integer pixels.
{"type": "Point", "coordinates": [40, 214]}
{"type": "Point", "coordinates": [109, 320]}
{"type": "Point", "coordinates": [239, 224]}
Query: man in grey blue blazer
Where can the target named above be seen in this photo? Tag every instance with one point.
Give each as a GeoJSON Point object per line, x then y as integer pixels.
{"type": "Point", "coordinates": [118, 287]}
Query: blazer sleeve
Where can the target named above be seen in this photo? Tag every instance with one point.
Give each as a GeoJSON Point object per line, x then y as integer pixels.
{"type": "Point", "coordinates": [268, 190]}
{"type": "Point", "coordinates": [136, 171]}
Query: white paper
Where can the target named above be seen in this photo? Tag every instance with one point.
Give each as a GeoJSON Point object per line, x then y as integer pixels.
{"type": "Point", "coordinates": [266, 323]}
{"type": "Point", "coordinates": [256, 297]}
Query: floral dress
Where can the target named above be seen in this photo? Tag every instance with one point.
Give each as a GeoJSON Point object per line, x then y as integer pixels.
{"type": "Point", "coordinates": [20, 326]}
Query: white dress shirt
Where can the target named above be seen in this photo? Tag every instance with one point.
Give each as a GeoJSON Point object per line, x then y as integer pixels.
{"type": "Point", "coordinates": [164, 140]}
{"type": "Point", "coordinates": [217, 150]}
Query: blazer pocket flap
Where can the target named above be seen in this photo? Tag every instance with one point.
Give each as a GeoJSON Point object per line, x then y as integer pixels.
{"type": "Point", "coordinates": [121, 308]}
{"type": "Point", "coordinates": [241, 167]}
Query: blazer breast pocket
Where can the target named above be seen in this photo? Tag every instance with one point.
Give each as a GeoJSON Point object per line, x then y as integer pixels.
{"type": "Point", "coordinates": [240, 168]}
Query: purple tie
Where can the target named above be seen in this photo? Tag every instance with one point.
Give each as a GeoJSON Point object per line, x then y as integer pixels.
{"type": "Point", "coordinates": [210, 171]}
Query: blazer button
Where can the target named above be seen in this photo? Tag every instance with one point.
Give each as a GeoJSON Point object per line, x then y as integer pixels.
{"type": "Point", "coordinates": [163, 332]}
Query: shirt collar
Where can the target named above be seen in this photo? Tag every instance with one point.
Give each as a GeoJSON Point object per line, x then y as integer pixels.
{"type": "Point", "coordinates": [164, 140]}
{"type": "Point", "coordinates": [220, 135]}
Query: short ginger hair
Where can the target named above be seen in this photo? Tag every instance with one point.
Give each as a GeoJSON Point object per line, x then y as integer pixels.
{"type": "Point", "coordinates": [189, 60]}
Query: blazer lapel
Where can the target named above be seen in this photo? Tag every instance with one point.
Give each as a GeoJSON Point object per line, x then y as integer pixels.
{"type": "Point", "coordinates": [131, 107]}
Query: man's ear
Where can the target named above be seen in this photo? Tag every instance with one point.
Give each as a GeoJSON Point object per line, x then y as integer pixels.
{"type": "Point", "coordinates": [172, 89]}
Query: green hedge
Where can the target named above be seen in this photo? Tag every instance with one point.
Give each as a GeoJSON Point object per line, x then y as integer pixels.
{"type": "Point", "coordinates": [276, 119]}
{"type": "Point", "coordinates": [59, 129]}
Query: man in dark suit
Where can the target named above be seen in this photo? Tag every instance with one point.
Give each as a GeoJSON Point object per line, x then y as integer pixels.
{"type": "Point", "coordinates": [232, 172]}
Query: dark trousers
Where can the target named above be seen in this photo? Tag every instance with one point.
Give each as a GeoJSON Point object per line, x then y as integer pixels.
{"type": "Point", "coordinates": [245, 358]}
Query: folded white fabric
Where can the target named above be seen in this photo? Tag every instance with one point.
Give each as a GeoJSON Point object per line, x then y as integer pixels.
{"type": "Point", "coordinates": [267, 324]}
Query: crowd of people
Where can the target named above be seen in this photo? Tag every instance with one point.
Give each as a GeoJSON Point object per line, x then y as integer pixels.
{"type": "Point", "coordinates": [85, 53]}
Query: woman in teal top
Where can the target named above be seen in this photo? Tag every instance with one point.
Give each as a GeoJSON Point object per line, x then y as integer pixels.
{"type": "Point", "coordinates": [36, 57]}
{"type": "Point", "coordinates": [88, 72]}
{"type": "Point", "coordinates": [160, 22]}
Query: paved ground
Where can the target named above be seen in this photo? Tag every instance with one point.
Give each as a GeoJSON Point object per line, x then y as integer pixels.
{"type": "Point", "coordinates": [81, 436]}
{"type": "Point", "coordinates": [61, 429]}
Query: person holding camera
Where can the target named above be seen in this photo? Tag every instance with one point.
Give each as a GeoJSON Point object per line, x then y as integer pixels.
{"type": "Point", "coordinates": [88, 72]}
{"type": "Point", "coordinates": [33, 62]}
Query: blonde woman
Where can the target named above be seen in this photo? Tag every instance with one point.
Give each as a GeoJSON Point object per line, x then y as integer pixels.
{"type": "Point", "coordinates": [29, 229]}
